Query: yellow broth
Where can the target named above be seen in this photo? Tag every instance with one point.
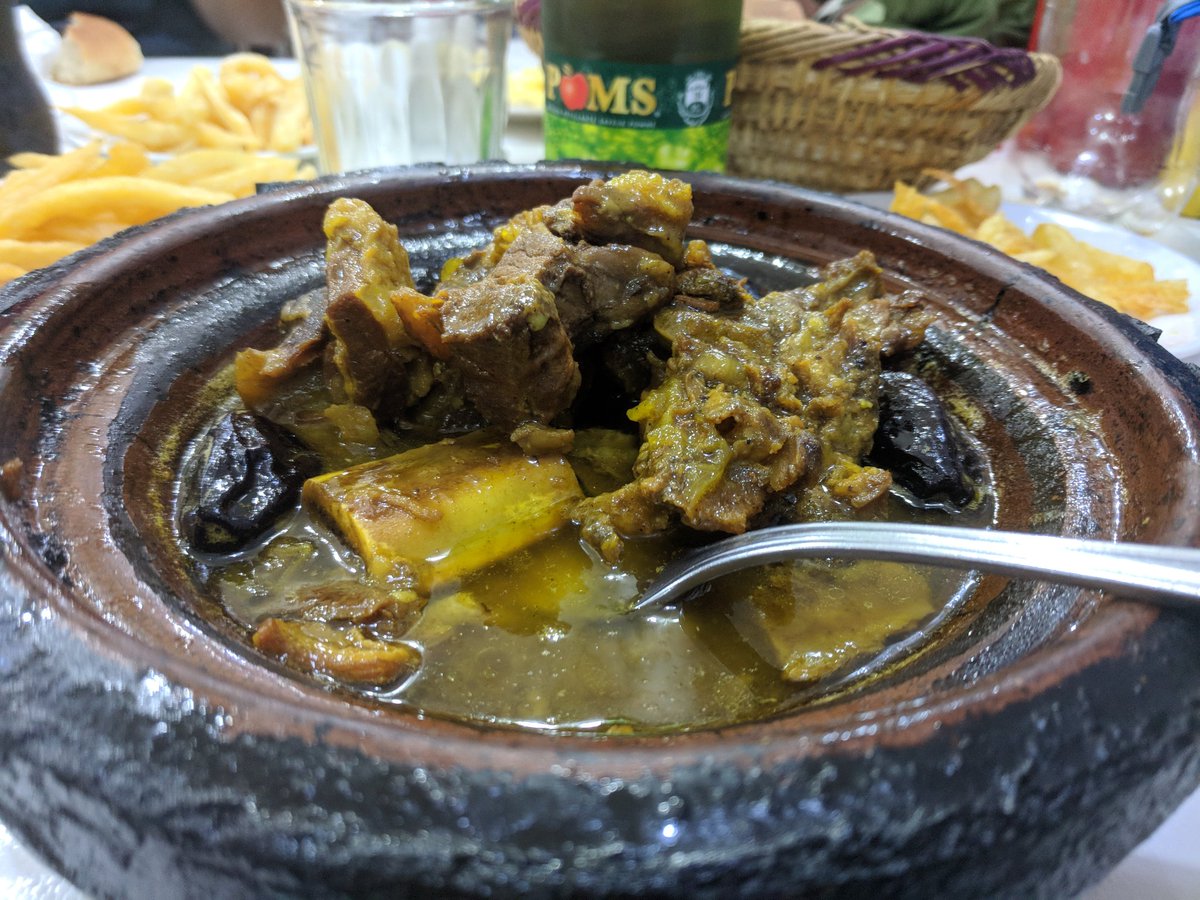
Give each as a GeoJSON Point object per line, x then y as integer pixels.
{"type": "Point", "coordinates": [541, 640]}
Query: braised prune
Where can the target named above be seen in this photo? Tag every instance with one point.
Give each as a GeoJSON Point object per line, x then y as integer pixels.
{"type": "Point", "coordinates": [251, 474]}
{"type": "Point", "coordinates": [920, 444]}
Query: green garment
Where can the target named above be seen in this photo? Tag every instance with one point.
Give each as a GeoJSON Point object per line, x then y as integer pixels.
{"type": "Point", "coordinates": [1003, 22]}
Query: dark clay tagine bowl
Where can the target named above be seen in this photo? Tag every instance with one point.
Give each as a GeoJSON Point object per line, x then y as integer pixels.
{"type": "Point", "coordinates": [150, 751]}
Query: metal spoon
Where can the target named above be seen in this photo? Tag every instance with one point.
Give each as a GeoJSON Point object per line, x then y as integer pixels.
{"type": "Point", "coordinates": [1164, 575]}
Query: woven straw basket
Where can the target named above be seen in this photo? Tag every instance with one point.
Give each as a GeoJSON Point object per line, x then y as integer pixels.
{"type": "Point", "coordinates": [801, 114]}
{"type": "Point", "coordinates": [531, 36]}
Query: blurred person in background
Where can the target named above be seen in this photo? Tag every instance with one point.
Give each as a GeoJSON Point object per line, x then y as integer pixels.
{"type": "Point", "coordinates": [162, 27]}
{"type": "Point", "coordinates": [1003, 22]}
{"type": "Point", "coordinates": [259, 25]}
{"type": "Point", "coordinates": [184, 27]}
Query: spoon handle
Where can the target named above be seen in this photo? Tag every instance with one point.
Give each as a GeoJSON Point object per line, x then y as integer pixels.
{"type": "Point", "coordinates": [1165, 575]}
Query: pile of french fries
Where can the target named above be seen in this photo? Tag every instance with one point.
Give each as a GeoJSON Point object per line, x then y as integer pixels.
{"type": "Point", "coordinates": [51, 206]}
{"type": "Point", "coordinates": [973, 209]}
{"type": "Point", "coordinates": [246, 105]}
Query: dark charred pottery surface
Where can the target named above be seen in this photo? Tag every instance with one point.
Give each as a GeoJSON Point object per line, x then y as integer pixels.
{"type": "Point", "coordinates": [147, 752]}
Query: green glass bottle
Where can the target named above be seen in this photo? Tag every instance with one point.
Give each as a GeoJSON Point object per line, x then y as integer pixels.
{"type": "Point", "coordinates": [640, 81]}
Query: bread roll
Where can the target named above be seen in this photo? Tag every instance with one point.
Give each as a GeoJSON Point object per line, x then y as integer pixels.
{"type": "Point", "coordinates": [95, 50]}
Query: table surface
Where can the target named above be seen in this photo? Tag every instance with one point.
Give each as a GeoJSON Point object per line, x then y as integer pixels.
{"type": "Point", "coordinates": [1165, 867]}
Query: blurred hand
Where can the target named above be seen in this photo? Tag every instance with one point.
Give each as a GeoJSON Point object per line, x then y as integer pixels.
{"type": "Point", "coordinates": [247, 24]}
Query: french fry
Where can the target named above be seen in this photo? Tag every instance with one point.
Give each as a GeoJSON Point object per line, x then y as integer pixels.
{"type": "Point", "coordinates": [973, 200]}
{"type": "Point", "coordinates": [132, 200]}
{"type": "Point", "coordinates": [157, 89]}
{"type": "Point", "coordinates": [213, 136]}
{"type": "Point", "coordinates": [130, 106]}
{"type": "Point", "coordinates": [1127, 284]}
{"type": "Point", "coordinates": [34, 254]}
{"type": "Point", "coordinates": [30, 160]}
{"type": "Point", "coordinates": [1043, 259]}
{"type": "Point", "coordinates": [1079, 255]}
{"type": "Point", "coordinates": [51, 206]}
{"type": "Point", "coordinates": [247, 105]}
{"type": "Point", "coordinates": [192, 105]}
{"type": "Point", "coordinates": [1004, 235]}
{"type": "Point", "coordinates": [77, 232]}
{"type": "Point", "coordinates": [151, 134]}
{"type": "Point", "coordinates": [250, 81]}
{"type": "Point", "coordinates": [195, 165]}
{"type": "Point", "coordinates": [23, 185]}
{"type": "Point", "coordinates": [240, 181]}
{"type": "Point", "coordinates": [260, 118]}
{"type": "Point", "coordinates": [970, 208]}
{"type": "Point", "coordinates": [124, 159]}
{"type": "Point", "coordinates": [291, 127]}
{"type": "Point", "coordinates": [908, 201]}
{"type": "Point", "coordinates": [221, 110]}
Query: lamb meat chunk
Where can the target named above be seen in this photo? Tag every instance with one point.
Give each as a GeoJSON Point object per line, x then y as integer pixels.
{"type": "Point", "coordinates": [598, 290]}
{"type": "Point", "coordinates": [607, 256]}
{"type": "Point", "coordinates": [619, 285]}
{"type": "Point", "coordinates": [607, 519]}
{"type": "Point", "coordinates": [855, 278]}
{"type": "Point", "coordinates": [779, 397]}
{"type": "Point", "coordinates": [532, 252]}
{"type": "Point", "coordinates": [638, 208]}
{"type": "Point", "coordinates": [710, 290]}
{"type": "Point", "coordinates": [506, 333]}
{"type": "Point", "coordinates": [509, 344]}
{"type": "Point", "coordinates": [594, 291]}
{"type": "Point", "coordinates": [717, 436]}
{"type": "Point", "coordinates": [344, 653]}
{"type": "Point", "coordinates": [538, 254]}
{"type": "Point", "coordinates": [561, 219]}
{"type": "Point", "coordinates": [702, 285]}
{"type": "Point", "coordinates": [542, 440]}
{"type": "Point", "coordinates": [389, 610]}
{"type": "Point", "coordinates": [896, 321]}
{"type": "Point", "coordinates": [377, 363]}
{"type": "Point", "coordinates": [353, 325]}
{"type": "Point", "coordinates": [479, 263]}
{"type": "Point", "coordinates": [259, 374]}
{"type": "Point", "coordinates": [362, 356]}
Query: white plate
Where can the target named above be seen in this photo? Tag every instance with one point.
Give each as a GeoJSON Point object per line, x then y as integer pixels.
{"type": "Point", "coordinates": [1180, 332]}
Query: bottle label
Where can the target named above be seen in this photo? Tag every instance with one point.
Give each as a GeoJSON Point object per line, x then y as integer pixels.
{"type": "Point", "coordinates": [665, 116]}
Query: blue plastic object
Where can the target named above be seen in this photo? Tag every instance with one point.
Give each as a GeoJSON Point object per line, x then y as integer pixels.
{"type": "Point", "coordinates": [1155, 48]}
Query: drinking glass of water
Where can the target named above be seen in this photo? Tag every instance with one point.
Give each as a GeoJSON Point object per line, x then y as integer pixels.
{"type": "Point", "coordinates": [396, 82]}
